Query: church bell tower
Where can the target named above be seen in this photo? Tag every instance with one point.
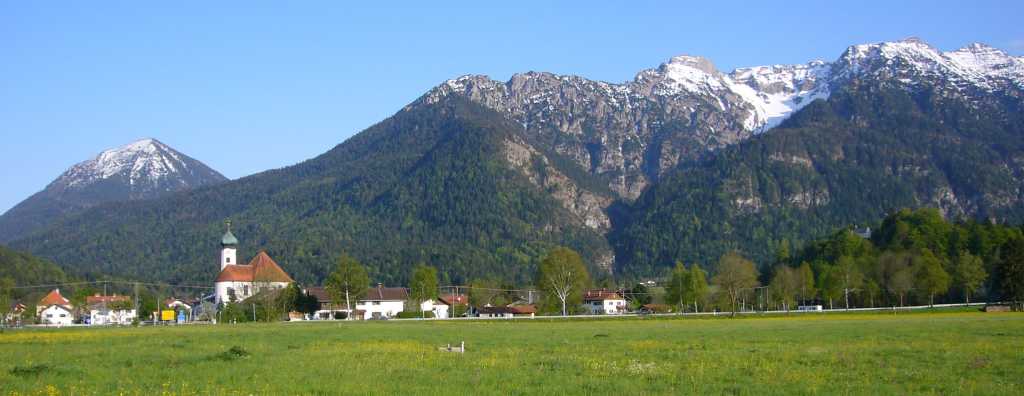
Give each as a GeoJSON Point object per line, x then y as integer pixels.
{"type": "Point", "coordinates": [228, 244]}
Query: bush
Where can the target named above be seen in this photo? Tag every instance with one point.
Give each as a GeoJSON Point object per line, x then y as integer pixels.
{"type": "Point", "coordinates": [414, 314]}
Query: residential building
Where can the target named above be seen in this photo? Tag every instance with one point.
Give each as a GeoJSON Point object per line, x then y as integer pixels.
{"type": "Point", "coordinates": [508, 311]}
{"type": "Point", "coordinates": [110, 310]}
{"type": "Point", "coordinates": [383, 302]}
{"type": "Point", "coordinates": [54, 309]}
{"type": "Point", "coordinates": [604, 302]}
{"type": "Point", "coordinates": [327, 309]}
{"type": "Point", "coordinates": [438, 307]}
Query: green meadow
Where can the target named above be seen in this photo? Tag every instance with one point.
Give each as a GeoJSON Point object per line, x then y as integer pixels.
{"type": "Point", "coordinates": [920, 353]}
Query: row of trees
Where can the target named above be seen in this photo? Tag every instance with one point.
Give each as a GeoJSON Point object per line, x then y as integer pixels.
{"type": "Point", "coordinates": [914, 256]}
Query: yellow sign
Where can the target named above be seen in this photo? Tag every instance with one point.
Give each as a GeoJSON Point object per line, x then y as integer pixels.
{"type": "Point", "coordinates": [167, 315]}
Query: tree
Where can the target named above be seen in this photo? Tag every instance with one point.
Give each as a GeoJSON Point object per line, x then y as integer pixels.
{"type": "Point", "coordinates": [698, 290]}
{"type": "Point", "coordinates": [675, 293]}
{"type": "Point", "coordinates": [639, 296]}
{"type": "Point", "coordinates": [423, 286]}
{"type": "Point", "coordinates": [830, 284]}
{"type": "Point", "coordinates": [931, 277]}
{"type": "Point", "coordinates": [898, 276]}
{"type": "Point", "coordinates": [562, 274]}
{"type": "Point", "coordinates": [484, 292]}
{"type": "Point", "coordinates": [969, 273]}
{"type": "Point", "coordinates": [872, 290]}
{"type": "Point", "coordinates": [6, 290]}
{"type": "Point", "coordinates": [348, 282]}
{"type": "Point", "coordinates": [734, 275]}
{"type": "Point", "coordinates": [784, 285]}
{"type": "Point", "coordinates": [806, 278]}
{"type": "Point", "coordinates": [1011, 270]}
{"type": "Point", "coordinates": [849, 277]}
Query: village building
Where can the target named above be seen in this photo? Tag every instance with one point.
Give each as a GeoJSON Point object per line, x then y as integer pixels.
{"type": "Point", "coordinates": [110, 310]}
{"type": "Point", "coordinates": [54, 309]}
{"type": "Point", "coordinates": [236, 282]}
{"type": "Point", "coordinates": [508, 311]}
{"type": "Point", "coordinates": [13, 317]}
{"type": "Point", "coordinates": [439, 308]}
{"type": "Point", "coordinates": [604, 302]}
{"type": "Point", "coordinates": [383, 302]}
{"type": "Point", "coordinates": [327, 309]}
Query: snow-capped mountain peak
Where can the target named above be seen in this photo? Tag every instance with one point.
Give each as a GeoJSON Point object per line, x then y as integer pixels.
{"type": "Point", "coordinates": [145, 166]}
{"type": "Point", "coordinates": [142, 169]}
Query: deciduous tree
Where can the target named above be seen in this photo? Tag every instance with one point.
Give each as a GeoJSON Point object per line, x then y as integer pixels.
{"type": "Point", "coordinates": [969, 273]}
{"type": "Point", "coordinates": [563, 275]}
{"type": "Point", "coordinates": [734, 275]}
{"type": "Point", "coordinates": [423, 286]}
{"type": "Point", "coordinates": [348, 282]}
{"type": "Point", "coordinates": [931, 277]}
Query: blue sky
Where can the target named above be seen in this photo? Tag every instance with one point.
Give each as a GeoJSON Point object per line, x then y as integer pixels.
{"type": "Point", "coordinates": [250, 86]}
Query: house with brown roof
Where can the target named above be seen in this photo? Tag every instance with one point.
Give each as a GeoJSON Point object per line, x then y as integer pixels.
{"type": "Point", "coordinates": [236, 282]}
{"type": "Point", "coordinates": [54, 309]}
{"type": "Point", "coordinates": [326, 308]}
{"type": "Point", "coordinates": [604, 302]}
{"type": "Point", "coordinates": [110, 310]}
{"type": "Point", "coordinates": [383, 302]}
{"type": "Point", "coordinates": [509, 311]}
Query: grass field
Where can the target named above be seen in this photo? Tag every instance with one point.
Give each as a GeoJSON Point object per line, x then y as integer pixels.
{"type": "Point", "coordinates": [936, 353]}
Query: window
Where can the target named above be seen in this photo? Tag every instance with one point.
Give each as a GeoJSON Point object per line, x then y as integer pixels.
{"type": "Point", "coordinates": [49, 315]}
{"type": "Point", "coordinates": [246, 288]}
{"type": "Point", "coordinates": [229, 260]}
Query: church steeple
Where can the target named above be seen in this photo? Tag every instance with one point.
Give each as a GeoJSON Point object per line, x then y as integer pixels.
{"type": "Point", "coordinates": [228, 244]}
{"type": "Point", "coordinates": [228, 239]}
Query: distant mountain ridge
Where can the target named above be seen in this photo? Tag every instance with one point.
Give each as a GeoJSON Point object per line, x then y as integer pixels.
{"type": "Point", "coordinates": [479, 177]}
{"type": "Point", "coordinates": [630, 134]}
{"type": "Point", "coordinates": [143, 169]}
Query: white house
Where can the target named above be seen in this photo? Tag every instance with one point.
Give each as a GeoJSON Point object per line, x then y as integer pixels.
{"type": "Point", "coordinates": [382, 302]}
{"type": "Point", "coordinates": [438, 307]}
{"type": "Point", "coordinates": [604, 302]}
{"type": "Point", "coordinates": [237, 281]}
{"type": "Point", "coordinates": [54, 309]}
{"type": "Point", "coordinates": [110, 310]}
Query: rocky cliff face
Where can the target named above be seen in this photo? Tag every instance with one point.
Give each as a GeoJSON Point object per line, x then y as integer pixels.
{"type": "Point", "coordinates": [628, 135]}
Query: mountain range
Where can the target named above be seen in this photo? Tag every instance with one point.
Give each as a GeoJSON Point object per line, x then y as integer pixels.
{"type": "Point", "coordinates": [480, 177]}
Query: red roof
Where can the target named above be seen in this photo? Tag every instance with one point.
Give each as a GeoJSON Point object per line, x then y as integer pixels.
{"type": "Point", "coordinates": [97, 299]}
{"type": "Point", "coordinates": [453, 299]}
{"type": "Point", "coordinates": [262, 268]}
{"type": "Point", "coordinates": [602, 294]}
{"type": "Point", "coordinates": [54, 298]}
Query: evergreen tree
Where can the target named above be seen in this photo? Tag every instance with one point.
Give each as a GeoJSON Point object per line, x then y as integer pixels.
{"type": "Point", "coordinates": [1011, 271]}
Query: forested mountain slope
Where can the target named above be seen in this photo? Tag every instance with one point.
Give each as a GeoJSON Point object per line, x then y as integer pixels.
{"type": "Point", "coordinates": [448, 183]}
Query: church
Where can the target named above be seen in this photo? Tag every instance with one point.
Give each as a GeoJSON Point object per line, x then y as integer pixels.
{"type": "Point", "coordinates": [236, 282]}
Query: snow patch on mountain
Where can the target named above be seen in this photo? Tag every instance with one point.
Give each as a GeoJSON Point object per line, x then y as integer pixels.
{"type": "Point", "coordinates": [146, 166]}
